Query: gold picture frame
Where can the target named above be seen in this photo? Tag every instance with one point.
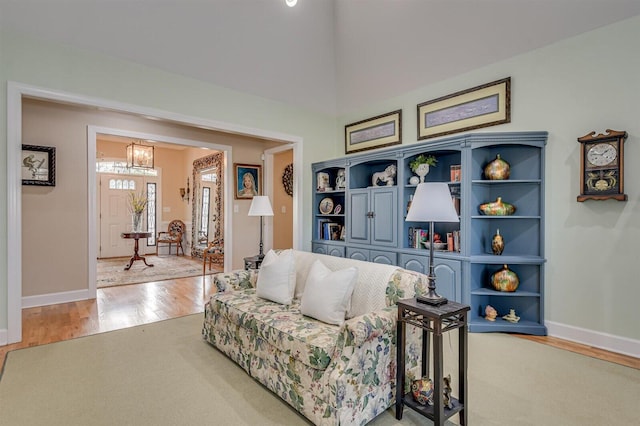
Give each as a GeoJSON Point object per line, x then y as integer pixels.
{"type": "Point", "coordinates": [481, 106]}
{"type": "Point", "coordinates": [375, 132]}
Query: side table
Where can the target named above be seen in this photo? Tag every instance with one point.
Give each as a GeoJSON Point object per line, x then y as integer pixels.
{"type": "Point", "coordinates": [136, 236]}
{"type": "Point", "coordinates": [252, 262]}
{"type": "Point", "coordinates": [434, 321]}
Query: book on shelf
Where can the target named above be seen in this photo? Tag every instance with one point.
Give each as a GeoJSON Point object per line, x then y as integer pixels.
{"type": "Point", "coordinates": [329, 230]}
{"type": "Point", "coordinates": [456, 173]}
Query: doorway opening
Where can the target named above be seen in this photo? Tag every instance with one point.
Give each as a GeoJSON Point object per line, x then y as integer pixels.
{"type": "Point", "coordinates": [16, 94]}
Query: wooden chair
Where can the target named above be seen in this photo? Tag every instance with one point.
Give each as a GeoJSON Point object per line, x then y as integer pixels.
{"type": "Point", "coordinates": [172, 236]}
{"type": "Point", "coordinates": [214, 253]}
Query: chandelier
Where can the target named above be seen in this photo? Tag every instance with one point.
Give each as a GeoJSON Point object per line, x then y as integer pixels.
{"type": "Point", "coordinates": [139, 155]}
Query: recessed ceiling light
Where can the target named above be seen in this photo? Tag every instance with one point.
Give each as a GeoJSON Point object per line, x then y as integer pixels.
{"type": "Point", "coordinates": [291, 3]}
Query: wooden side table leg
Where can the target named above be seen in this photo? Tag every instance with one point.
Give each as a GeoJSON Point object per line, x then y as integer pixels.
{"type": "Point", "coordinates": [400, 343]}
{"type": "Point", "coordinates": [463, 354]}
{"type": "Point", "coordinates": [438, 407]}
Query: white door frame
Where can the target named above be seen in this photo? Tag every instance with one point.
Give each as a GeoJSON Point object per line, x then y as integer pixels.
{"type": "Point", "coordinates": [15, 93]}
{"type": "Point", "coordinates": [92, 136]}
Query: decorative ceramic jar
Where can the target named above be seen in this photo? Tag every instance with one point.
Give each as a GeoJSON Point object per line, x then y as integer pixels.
{"type": "Point", "coordinates": [505, 280]}
{"type": "Point", "coordinates": [498, 169]}
{"type": "Point", "coordinates": [497, 208]}
{"type": "Point", "coordinates": [422, 390]}
{"type": "Point", "coordinates": [497, 243]}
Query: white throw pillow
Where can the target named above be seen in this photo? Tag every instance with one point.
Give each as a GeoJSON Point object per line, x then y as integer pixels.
{"type": "Point", "coordinates": [277, 277]}
{"type": "Point", "coordinates": [327, 293]}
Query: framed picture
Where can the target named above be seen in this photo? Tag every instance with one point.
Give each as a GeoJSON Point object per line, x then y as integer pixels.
{"type": "Point", "coordinates": [38, 165]}
{"type": "Point", "coordinates": [248, 180]}
{"type": "Point", "coordinates": [481, 106]}
{"type": "Point", "coordinates": [376, 132]}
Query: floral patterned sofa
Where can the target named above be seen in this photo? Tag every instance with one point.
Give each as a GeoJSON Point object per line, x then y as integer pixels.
{"type": "Point", "coordinates": [333, 375]}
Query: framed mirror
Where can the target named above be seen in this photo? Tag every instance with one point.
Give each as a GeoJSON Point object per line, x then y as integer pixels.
{"type": "Point", "coordinates": [208, 202]}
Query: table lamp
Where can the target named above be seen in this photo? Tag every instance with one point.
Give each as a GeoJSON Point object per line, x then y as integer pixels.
{"type": "Point", "coordinates": [432, 203]}
{"type": "Point", "coordinates": [260, 206]}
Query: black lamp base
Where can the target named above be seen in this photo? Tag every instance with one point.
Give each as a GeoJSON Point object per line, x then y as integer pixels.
{"type": "Point", "coordinates": [433, 301]}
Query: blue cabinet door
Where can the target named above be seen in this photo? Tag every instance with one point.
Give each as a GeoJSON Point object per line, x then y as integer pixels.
{"type": "Point", "coordinates": [358, 220]}
{"type": "Point", "coordinates": [384, 206]}
{"type": "Point", "coordinates": [448, 273]}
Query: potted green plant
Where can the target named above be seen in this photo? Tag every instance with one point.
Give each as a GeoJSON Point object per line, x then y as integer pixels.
{"type": "Point", "coordinates": [420, 165]}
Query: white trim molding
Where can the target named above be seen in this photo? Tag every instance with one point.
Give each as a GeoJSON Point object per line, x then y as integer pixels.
{"type": "Point", "coordinates": [55, 298]}
{"type": "Point", "coordinates": [608, 342]}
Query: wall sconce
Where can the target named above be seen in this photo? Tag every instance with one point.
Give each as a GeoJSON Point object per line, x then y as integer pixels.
{"type": "Point", "coordinates": [184, 193]}
{"type": "Point", "coordinates": [140, 156]}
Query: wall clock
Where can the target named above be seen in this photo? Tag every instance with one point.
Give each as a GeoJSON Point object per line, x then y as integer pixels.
{"type": "Point", "coordinates": [602, 166]}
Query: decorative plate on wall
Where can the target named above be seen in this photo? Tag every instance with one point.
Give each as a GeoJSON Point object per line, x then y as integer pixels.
{"type": "Point", "coordinates": [287, 179]}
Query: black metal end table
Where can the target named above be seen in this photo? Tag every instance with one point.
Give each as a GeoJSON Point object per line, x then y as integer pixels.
{"type": "Point", "coordinates": [434, 321]}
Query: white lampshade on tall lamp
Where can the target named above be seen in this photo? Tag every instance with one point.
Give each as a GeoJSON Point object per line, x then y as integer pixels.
{"type": "Point", "coordinates": [432, 203]}
{"type": "Point", "coordinates": [260, 206]}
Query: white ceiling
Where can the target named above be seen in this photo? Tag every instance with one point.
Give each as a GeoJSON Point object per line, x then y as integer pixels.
{"type": "Point", "coordinates": [330, 56]}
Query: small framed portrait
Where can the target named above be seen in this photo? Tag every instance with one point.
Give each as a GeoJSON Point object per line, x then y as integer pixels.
{"type": "Point", "coordinates": [38, 165]}
{"type": "Point", "coordinates": [248, 178]}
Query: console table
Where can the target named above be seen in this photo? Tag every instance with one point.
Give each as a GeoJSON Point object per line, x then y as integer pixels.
{"type": "Point", "coordinates": [434, 321]}
{"type": "Point", "coordinates": [136, 236]}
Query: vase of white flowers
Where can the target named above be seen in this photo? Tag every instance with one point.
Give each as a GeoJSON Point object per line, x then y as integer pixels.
{"type": "Point", "coordinates": [137, 204]}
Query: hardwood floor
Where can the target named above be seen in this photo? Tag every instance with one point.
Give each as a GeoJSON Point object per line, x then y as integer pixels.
{"type": "Point", "coordinates": [114, 308]}
{"type": "Point", "coordinates": [131, 305]}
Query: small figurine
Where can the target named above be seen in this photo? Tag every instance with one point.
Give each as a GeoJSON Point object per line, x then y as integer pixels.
{"type": "Point", "coordinates": [490, 313]}
{"type": "Point", "coordinates": [446, 392]}
{"type": "Point", "coordinates": [387, 176]}
{"type": "Point", "coordinates": [422, 390]}
{"type": "Point", "coordinates": [511, 317]}
{"type": "Point", "coordinates": [341, 179]}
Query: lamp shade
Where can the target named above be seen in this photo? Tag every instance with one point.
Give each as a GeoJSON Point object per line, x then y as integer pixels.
{"type": "Point", "coordinates": [260, 206]}
{"type": "Point", "coordinates": [432, 203]}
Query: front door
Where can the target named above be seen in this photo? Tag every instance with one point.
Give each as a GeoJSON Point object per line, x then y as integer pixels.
{"type": "Point", "coordinates": [114, 216]}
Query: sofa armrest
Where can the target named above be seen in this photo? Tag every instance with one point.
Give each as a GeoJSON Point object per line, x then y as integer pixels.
{"type": "Point", "coordinates": [235, 280]}
{"type": "Point", "coordinates": [363, 328]}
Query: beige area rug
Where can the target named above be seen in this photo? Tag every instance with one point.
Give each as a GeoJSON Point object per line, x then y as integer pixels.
{"type": "Point", "coordinates": [110, 272]}
{"type": "Point", "coordinates": [165, 374]}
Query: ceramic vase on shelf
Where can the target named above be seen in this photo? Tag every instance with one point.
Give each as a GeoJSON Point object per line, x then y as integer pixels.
{"type": "Point", "coordinates": [497, 208]}
{"type": "Point", "coordinates": [136, 222]}
{"type": "Point", "coordinates": [498, 169]}
{"type": "Point", "coordinates": [422, 170]}
{"type": "Point", "coordinates": [505, 280]}
{"type": "Point", "coordinates": [497, 243]}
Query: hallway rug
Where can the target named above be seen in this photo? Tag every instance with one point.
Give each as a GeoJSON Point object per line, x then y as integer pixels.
{"type": "Point", "coordinates": [110, 272]}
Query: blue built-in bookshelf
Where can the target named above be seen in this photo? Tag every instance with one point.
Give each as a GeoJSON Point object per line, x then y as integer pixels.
{"type": "Point", "coordinates": [367, 222]}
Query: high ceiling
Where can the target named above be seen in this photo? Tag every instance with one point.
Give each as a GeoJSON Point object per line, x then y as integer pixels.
{"type": "Point", "coordinates": [329, 56]}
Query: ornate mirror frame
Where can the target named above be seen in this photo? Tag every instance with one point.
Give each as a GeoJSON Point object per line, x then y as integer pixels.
{"type": "Point", "coordinates": [209, 162]}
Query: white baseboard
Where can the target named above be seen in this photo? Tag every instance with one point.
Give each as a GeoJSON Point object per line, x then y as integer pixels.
{"type": "Point", "coordinates": [4, 339]}
{"type": "Point", "coordinates": [609, 342]}
{"type": "Point", "coordinates": [55, 298]}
